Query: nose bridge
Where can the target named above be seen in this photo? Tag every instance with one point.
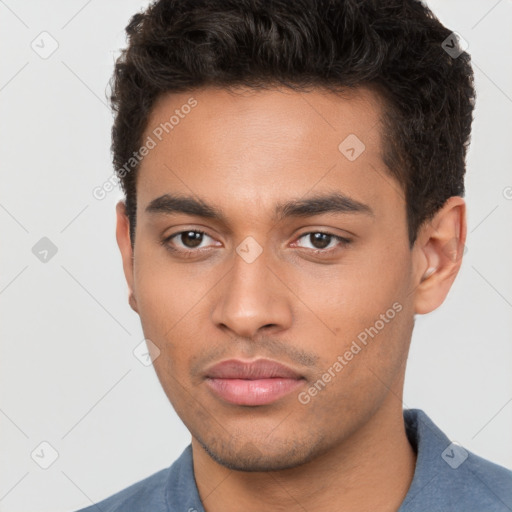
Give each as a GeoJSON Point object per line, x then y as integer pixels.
{"type": "Point", "coordinates": [252, 296]}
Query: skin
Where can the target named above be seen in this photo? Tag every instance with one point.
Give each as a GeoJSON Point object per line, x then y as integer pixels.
{"type": "Point", "coordinates": [244, 152]}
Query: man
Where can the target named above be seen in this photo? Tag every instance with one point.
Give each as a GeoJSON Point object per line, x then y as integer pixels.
{"type": "Point", "coordinates": [294, 180]}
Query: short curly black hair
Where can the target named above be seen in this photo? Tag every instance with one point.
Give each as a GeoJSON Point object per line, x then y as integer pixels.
{"type": "Point", "coordinates": [397, 47]}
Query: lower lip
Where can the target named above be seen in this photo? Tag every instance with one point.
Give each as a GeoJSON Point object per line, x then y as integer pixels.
{"type": "Point", "coordinates": [253, 392]}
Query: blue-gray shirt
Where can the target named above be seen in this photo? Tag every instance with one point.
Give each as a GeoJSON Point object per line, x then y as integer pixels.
{"type": "Point", "coordinates": [447, 478]}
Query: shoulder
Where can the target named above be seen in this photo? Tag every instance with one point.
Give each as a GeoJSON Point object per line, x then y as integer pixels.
{"type": "Point", "coordinates": [490, 481]}
{"type": "Point", "coordinates": [147, 494]}
{"type": "Point", "coordinates": [173, 487]}
{"type": "Point", "coordinates": [450, 477]}
{"type": "Point", "coordinates": [476, 485]}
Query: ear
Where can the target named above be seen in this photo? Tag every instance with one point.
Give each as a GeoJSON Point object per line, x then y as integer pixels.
{"type": "Point", "coordinates": [124, 244]}
{"type": "Point", "coordinates": [438, 253]}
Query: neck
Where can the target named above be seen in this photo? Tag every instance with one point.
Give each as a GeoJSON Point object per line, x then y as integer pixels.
{"type": "Point", "coordinates": [370, 470]}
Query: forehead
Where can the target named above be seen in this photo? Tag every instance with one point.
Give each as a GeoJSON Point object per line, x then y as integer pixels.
{"type": "Point", "coordinates": [257, 148]}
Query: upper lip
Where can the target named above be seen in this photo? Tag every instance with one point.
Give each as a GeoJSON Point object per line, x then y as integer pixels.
{"type": "Point", "coordinates": [253, 370]}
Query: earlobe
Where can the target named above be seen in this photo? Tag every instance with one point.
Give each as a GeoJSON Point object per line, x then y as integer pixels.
{"type": "Point", "coordinates": [124, 244]}
{"type": "Point", "coordinates": [132, 301]}
{"type": "Point", "coordinates": [439, 255]}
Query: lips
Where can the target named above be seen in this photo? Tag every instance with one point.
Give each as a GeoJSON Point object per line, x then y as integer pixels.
{"type": "Point", "coordinates": [252, 383]}
{"type": "Point", "coordinates": [260, 369]}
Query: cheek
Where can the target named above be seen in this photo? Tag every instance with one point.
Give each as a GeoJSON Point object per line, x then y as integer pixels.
{"type": "Point", "coordinates": [167, 294]}
{"type": "Point", "coordinates": [344, 300]}
{"type": "Point", "coordinates": [171, 299]}
{"type": "Point", "coordinates": [360, 313]}
{"type": "Point", "coordinates": [162, 311]}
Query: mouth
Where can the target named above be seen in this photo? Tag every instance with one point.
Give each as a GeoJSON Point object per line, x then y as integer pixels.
{"type": "Point", "coordinates": [259, 382]}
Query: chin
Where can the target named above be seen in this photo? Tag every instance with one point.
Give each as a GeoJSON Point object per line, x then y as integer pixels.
{"type": "Point", "coordinates": [250, 456]}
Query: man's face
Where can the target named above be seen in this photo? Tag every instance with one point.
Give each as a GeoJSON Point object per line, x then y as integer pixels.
{"type": "Point", "coordinates": [257, 285]}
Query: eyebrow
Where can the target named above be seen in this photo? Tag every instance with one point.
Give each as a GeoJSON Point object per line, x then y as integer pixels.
{"type": "Point", "coordinates": [335, 203]}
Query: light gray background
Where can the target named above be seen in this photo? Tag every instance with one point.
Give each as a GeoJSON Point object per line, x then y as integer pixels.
{"type": "Point", "coordinates": [68, 374]}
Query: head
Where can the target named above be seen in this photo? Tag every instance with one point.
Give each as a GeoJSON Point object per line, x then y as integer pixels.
{"type": "Point", "coordinates": [294, 182]}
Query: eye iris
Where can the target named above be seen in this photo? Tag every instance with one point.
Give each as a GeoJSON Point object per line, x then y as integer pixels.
{"type": "Point", "coordinates": [193, 239]}
{"type": "Point", "coordinates": [194, 235]}
{"type": "Point", "coordinates": [322, 238]}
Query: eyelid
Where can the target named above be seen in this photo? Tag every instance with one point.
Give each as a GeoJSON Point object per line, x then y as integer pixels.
{"type": "Point", "coordinates": [167, 239]}
{"type": "Point", "coordinates": [342, 242]}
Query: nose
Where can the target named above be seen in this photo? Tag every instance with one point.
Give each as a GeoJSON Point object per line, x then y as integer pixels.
{"type": "Point", "coordinates": [251, 298]}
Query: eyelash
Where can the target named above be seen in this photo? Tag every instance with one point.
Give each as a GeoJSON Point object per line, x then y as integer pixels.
{"type": "Point", "coordinates": [188, 253]}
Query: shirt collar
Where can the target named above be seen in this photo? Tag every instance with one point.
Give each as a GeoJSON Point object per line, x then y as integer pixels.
{"type": "Point", "coordinates": [425, 437]}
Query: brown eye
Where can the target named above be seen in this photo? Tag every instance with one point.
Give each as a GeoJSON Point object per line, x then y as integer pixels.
{"type": "Point", "coordinates": [321, 241]}
{"type": "Point", "coordinates": [191, 239]}
{"type": "Point", "coordinates": [185, 242]}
